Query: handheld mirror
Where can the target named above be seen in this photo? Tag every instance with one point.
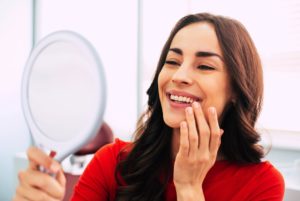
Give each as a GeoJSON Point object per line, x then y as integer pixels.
{"type": "Point", "coordinates": [63, 93]}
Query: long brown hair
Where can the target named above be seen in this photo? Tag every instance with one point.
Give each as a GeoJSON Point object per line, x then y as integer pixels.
{"type": "Point", "coordinates": [147, 168]}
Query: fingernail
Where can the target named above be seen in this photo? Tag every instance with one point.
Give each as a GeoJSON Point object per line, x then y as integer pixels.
{"type": "Point", "coordinates": [52, 154]}
{"type": "Point", "coordinates": [54, 167]}
{"type": "Point", "coordinates": [189, 110]}
{"type": "Point", "coordinates": [196, 104]}
{"type": "Point", "coordinates": [212, 110]}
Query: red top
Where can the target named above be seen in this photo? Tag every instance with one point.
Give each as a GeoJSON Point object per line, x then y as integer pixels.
{"type": "Point", "coordinates": [225, 181]}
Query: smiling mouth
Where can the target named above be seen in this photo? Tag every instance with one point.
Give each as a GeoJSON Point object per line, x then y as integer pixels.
{"type": "Point", "coordinates": [182, 99]}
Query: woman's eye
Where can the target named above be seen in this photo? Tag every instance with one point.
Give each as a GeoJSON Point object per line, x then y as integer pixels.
{"type": "Point", "coordinates": [205, 67]}
{"type": "Point", "coordinates": [170, 62]}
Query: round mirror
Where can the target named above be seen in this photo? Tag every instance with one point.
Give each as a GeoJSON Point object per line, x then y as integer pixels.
{"type": "Point", "coordinates": [63, 93]}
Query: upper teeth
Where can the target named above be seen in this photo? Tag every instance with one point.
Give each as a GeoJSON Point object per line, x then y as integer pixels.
{"type": "Point", "coordinates": [181, 99]}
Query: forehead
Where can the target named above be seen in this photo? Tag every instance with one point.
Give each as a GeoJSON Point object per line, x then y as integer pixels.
{"type": "Point", "coordinates": [200, 36]}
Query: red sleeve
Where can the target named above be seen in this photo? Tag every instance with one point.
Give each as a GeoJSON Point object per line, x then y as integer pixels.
{"type": "Point", "coordinates": [251, 182]}
{"type": "Point", "coordinates": [98, 181]}
{"type": "Point", "coordinates": [270, 186]}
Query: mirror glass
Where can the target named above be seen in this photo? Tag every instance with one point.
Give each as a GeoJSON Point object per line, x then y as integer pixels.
{"type": "Point", "coordinates": [63, 93]}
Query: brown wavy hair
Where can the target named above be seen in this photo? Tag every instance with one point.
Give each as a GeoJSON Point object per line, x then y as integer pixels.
{"type": "Point", "coordinates": [148, 167]}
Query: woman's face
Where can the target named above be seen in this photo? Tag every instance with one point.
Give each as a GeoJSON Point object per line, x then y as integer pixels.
{"type": "Point", "coordinates": [193, 71]}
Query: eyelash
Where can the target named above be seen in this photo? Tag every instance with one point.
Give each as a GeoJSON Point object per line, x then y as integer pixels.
{"type": "Point", "coordinates": [201, 67]}
{"type": "Point", "coordinates": [205, 67]}
{"type": "Point", "coordinates": [172, 63]}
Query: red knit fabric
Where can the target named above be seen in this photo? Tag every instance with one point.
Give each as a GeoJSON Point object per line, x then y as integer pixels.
{"type": "Point", "coordinates": [225, 181]}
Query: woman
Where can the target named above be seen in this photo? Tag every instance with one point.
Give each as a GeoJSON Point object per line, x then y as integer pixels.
{"type": "Point", "coordinates": [209, 77]}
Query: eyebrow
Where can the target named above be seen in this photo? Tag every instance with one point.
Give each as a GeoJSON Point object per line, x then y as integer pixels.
{"type": "Point", "coordinates": [198, 54]}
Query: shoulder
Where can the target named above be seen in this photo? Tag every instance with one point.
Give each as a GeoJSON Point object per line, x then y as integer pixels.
{"type": "Point", "coordinates": [268, 173]}
{"type": "Point", "coordinates": [105, 160]}
{"type": "Point", "coordinates": [268, 169]}
{"type": "Point", "coordinates": [269, 181]}
{"type": "Point", "coordinates": [262, 169]}
{"type": "Point", "coordinates": [265, 180]}
{"type": "Point", "coordinates": [98, 179]}
{"type": "Point", "coordinates": [112, 150]}
{"type": "Point", "coordinates": [265, 171]}
{"type": "Point", "coordinates": [258, 181]}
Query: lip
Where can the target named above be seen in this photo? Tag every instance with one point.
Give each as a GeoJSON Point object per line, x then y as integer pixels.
{"type": "Point", "coordinates": [181, 93]}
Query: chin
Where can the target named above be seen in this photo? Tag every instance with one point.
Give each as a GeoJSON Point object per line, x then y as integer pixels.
{"type": "Point", "coordinates": [173, 123]}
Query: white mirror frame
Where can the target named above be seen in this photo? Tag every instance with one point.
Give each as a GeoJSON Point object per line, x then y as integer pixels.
{"type": "Point", "coordinates": [63, 148]}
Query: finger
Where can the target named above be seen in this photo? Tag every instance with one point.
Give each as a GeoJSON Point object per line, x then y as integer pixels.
{"type": "Point", "coordinates": [184, 139]}
{"type": "Point", "coordinates": [39, 158]}
{"type": "Point", "coordinates": [204, 131]}
{"type": "Point", "coordinates": [42, 181]}
{"type": "Point", "coordinates": [215, 130]}
{"type": "Point", "coordinates": [192, 132]}
{"type": "Point", "coordinates": [60, 176]}
{"type": "Point", "coordinates": [19, 198]}
{"type": "Point", "coordinates": [32, 194]}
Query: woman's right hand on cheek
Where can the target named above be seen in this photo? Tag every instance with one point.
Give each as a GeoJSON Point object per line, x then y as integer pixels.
{"type": "Point", "coordinates": [36, 185]}
{"type": "Point", "coordinates": [199, 143]}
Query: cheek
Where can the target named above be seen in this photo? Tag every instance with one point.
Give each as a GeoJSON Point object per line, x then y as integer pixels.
{"type": "Point", "coordinates": [218, 96]}
{"type": "Point", "coordinates": [223, 101]}
{"type": "Point", "coordinates": [162, 80]}
{"type": "Point", "coordinates": [160, 85]}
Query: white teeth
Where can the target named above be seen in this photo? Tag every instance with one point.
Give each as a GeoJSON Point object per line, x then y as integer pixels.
{"type": "Point", "coordinates": [181, 99]}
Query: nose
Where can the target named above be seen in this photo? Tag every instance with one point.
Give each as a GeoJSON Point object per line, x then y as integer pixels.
{"type": "Point", "coordinates": [182, 75]}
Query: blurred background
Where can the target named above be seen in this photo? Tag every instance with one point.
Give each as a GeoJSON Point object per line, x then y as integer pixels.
{"type": "Point", "coordinates": [129, 36]}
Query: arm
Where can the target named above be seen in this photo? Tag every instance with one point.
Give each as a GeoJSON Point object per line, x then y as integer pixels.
{"type": "Point", "coordinates": [36, 185]}
{"type": "Point", "coordinates": [98, 180]}
{"type": "Point", "coordinates": [199, 144]}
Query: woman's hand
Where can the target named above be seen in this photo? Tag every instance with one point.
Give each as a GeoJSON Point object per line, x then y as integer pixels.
{"type": "Point", "coordinates": [198, 149]}
{"type": "Point", "coordinates": [36, 185]}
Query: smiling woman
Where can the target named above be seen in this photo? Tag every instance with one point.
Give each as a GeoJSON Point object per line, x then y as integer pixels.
{"type": "Point", "coordinates": [195, 71]}
{"type": "Point", "coordinates": [197, 136]}
{"type": "Point", "coordinates": [193, 98]}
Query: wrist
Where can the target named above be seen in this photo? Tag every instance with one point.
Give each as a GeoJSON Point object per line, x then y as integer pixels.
{"type": "Point", "coordinates": [189, 193]}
